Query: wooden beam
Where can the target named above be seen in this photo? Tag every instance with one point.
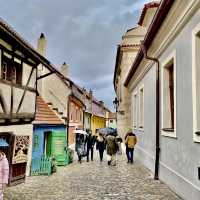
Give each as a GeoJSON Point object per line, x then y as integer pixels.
{"type": "Point", "coordinates": [45, 75]}
{"type": "Point", "coordinates": [28, 81]}
{"type": "Point", "coordinates": [18, 86]}
{"type": "Point", "coordinates": [2, 103]}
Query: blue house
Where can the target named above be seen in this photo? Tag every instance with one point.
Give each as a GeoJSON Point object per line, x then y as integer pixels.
{"type": "Point", "coordinates": [49, 135]}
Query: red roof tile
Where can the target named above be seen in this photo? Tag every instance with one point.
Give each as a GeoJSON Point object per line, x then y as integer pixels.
{"type": "Point", "coordinates": [112, 115]}
{"type": "Point", "coordinates": [44, 114]}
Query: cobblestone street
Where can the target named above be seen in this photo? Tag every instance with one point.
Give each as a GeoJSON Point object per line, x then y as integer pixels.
{"type": "Point", "coordinates": [93, 180]}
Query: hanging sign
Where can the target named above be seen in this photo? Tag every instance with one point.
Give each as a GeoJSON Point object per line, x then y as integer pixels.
{"type": "Point", "coordinates": [21, 145]}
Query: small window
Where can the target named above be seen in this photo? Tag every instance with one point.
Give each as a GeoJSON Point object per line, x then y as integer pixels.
{"type": "Point", "coordinates": [141, 108]}
{"type": "Point", "coordinates": [11, 70]}
{"type": "Point", "coordinates": [36, 142]}
{"type": "Point", "coordinates": [111, 121]}
{"type": "Point", "coordinates": [168, 97]}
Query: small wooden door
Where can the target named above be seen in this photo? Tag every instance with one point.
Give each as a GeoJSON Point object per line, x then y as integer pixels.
{"type": "Point", "coordinates": [48, 143]}
{"type": "Point", "coordinates": [17, 171]}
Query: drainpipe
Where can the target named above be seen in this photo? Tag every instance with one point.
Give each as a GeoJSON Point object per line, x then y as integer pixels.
{"type": "Point", "coordinates": [157, 157]}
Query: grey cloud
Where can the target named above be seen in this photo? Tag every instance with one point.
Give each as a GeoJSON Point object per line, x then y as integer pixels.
{"type": "Point", "coordinates": [84, 33]}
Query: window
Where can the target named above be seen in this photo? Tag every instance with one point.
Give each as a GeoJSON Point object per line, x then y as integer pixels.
{"type": "Point", "coordinates": [135, 110]}
{"type": "Point", "coordinates": [196, 82]}
{"type": "Point", "coordinates": [111, 121]}
{"type": "Point", "coordinates": [168, 97]}
{"type": "Point", "coordinates": [11, 70]}
{"type": "Point", "coordinates": [36, 142]}
{"type": "Point", "coordinates": [141, 107]}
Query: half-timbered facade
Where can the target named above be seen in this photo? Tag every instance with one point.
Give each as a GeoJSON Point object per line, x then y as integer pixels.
{"type": "Point", "coordinates": [19, 63]}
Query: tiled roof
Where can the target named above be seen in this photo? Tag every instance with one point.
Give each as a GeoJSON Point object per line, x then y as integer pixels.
{"type": "Point", "coordinates": [112, 115]}
{"type": "Point", "coordinates": [44, 114]}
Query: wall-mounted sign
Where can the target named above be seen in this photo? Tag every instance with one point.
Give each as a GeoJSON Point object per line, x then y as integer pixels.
{"type": "Point", "coordinates": [21, 146]}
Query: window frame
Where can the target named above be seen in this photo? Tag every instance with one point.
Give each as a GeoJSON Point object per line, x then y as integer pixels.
{"type": "Point", "coordinates": [195, 32]}
{"type": "Point", "coordinates": [140, 126]}
{"type": "Point", "coordinates": [171, 57]}
{"type": "Point", "coordinates": [135, 110]}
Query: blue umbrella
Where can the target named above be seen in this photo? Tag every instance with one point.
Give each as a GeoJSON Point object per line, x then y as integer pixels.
{"type": "Point", "coordinates": [3, 143]}
{"type": "Point", "coordinates": [108, 131]}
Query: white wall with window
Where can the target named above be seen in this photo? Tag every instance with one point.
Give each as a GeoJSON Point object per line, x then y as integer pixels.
{"type": "Point", "coordinates": [168, 95]}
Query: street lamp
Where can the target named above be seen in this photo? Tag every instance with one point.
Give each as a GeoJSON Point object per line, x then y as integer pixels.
{"type": "Point", "coordinates": [116, 104]}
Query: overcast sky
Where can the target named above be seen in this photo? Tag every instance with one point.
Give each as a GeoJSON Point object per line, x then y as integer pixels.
{"type": "Point", "coordinates": [82, 33]}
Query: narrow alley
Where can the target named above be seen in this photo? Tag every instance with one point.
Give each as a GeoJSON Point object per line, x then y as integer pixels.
{"type": "Point", "coordinates": [93, 180]}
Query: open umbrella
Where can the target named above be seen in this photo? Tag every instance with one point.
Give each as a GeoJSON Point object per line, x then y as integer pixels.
{"type": "Point", "coordinates": [3, 143]}
{"type": "Point", "coordinates": [108, 131]}
{"type": "Point", "coordinates": [80, 132]}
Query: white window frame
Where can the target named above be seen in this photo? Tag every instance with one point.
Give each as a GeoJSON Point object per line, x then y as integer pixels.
{"type": "Point", "coordinates": [195, 31]}
{"type": "Point", "coordinates": [164, 63]}
{"type": "Point", "coordinates": [140, 126]}
{"type": "Point", "coordinates": [135, 110]}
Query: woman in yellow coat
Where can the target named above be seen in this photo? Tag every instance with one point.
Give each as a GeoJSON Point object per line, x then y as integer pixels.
{"type": "Point", "coordinates": [130, 141]}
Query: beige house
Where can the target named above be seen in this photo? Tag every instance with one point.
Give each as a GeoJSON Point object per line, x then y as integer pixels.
{"type": "Point", "coordinates": [126, 53]}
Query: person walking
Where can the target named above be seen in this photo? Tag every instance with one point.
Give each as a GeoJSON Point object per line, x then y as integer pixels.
{"type": "Point", "coordinates": [112, 147]}
{"type": "Point", "coordinates": [80, 146]}
{"type": "Point", "coordinates": [90, 145]}
{"type": "Point", "coordinates": [130, 141]}
{"type": "Point", "coordinates": [4, 173]}
{"type": "Point", "coordinates": [100, 146]}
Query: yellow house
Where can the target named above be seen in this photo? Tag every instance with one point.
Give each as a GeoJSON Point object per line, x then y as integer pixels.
{"type": "Point", "coordinates": [97, 122]}
{"type": "Point", "coordinates": [98, 119]}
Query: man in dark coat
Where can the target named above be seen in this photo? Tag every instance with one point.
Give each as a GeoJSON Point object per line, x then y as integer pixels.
{"type": "Point", "coordinates": [90, 141]}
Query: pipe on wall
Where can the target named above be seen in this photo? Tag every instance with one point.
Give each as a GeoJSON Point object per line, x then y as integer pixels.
{"type": "Point", "coordinates": [157, 156]}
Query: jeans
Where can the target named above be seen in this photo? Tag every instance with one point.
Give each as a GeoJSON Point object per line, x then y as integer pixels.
{"type": "Point", "coordinates": [129, 154]}
{"type": "Point", "coordinates": [88, 152]}
{"type": "Point", "coordinates": [101, 154]}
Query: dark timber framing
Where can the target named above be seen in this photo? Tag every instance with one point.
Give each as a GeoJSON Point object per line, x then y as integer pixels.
{"type": "Point", "coordinates": [28, 81]}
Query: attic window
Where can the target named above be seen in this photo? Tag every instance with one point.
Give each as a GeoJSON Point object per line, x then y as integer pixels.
{"type": "Point", "coordinates": [11, 69]}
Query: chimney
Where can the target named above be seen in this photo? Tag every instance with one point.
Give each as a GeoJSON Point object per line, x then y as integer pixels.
{"type": "Point", "coordinates": [90, 94]}
{"type": "Point", "coordinates": [64, 70]}
{"type": "Point", "coordinates": [101, 103]}
{"type": "Point", "coordinates": [42, 44]}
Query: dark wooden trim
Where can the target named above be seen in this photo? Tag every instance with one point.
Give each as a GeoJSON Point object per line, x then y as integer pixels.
{"type": "Point", "coordinates": [17, 116]}
{"type": "Point", "coordinates": [45, 75]}
{"type": "Point", "coordinates": [11, 100]}
{"type": "Point", "coordinates": [29, 78]}
{"type": "Point", "coordinates": [17, 85]}
{"type": "Point", "coordinates": [2, 103]}
{"type": "Point", "coordinates": [23, 59]}
{"type": "Point", "coordinates": [168, 129]}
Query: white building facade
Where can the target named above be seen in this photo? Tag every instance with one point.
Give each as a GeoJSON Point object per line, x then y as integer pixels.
{"type": "Point", "coordinates": [164, 85]}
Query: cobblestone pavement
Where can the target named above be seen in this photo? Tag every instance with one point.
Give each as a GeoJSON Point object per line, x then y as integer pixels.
{"type": "Point", "coordinates": [95, 181]}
